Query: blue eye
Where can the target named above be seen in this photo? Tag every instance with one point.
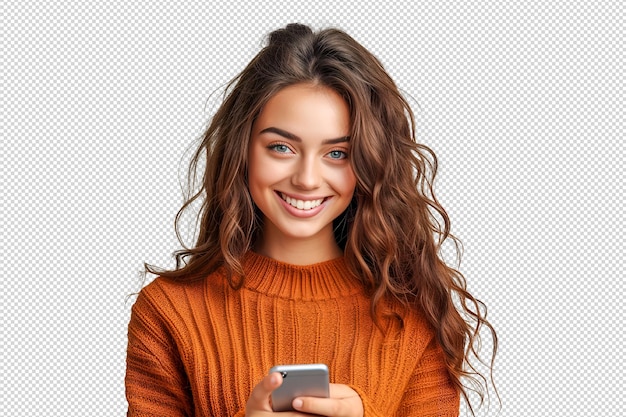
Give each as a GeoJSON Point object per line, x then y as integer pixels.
{"type": "Point", "coordinates": [280, 148]}
{"type": "Point", "coordinates": [338, 154]}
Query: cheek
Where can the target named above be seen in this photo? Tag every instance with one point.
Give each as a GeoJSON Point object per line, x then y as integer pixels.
{"type": "Point", "coordinates": [253, 174]}
{"type": "Point", "coordinates": [260, 177]}
{"type": "Point", "coordinates": [346, 181]}
{"type": "Point", "coordinates": [255, 180]}
{"type": "Point", "coordinates": [262, 173]}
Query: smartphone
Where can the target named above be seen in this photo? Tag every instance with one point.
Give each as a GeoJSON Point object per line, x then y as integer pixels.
{"type": "Point", "coordinates": [306, 380]}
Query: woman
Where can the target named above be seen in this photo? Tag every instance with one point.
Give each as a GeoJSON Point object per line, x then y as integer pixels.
{"type": "Point", "coordinates": [318, 243]}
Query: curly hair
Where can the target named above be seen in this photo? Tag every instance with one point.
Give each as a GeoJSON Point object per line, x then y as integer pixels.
{"type": "Point", "coordinates": [392, 232]}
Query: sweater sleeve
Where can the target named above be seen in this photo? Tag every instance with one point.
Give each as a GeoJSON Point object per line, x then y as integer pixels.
{"type": "Point", "coordinates": [368, 407]}
{"type": "Point", "coordinates": [431, 392]}
{"type": "Point", "coordinates": [156, 383]}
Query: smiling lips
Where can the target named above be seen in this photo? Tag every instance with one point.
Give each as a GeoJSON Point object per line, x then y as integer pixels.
{"type": "Point", "coordinates": [301, 204]}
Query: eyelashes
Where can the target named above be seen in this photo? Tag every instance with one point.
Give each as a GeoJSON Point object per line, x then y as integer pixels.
{"type": "Point", "coordinates": [284, 149]}
{"type": "Point", "coordinates": [338, 154]}
{"type": "Point", "coordinates": [280, 148]}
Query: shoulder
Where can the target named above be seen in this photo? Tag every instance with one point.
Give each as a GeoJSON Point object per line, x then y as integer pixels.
{"type": "Point", "coordinates": [168, 296]}
{"type": "Point", "coordinates": [162, 288]}
{"type": "Point", "coordinates": [166, 309]}
{"type": "Point", "coordinates": [162, 292]}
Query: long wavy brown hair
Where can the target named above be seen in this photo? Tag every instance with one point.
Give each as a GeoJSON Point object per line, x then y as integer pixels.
{"type": "Point", "coordinates": [393, 231]}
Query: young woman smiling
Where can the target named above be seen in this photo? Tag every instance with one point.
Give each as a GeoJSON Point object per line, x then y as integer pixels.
{"type": "Point", "coordinates": [299, 173]}
{"type": "Point", "coordinates": [317, 243]}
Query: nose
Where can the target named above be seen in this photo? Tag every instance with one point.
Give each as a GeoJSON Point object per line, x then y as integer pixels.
{"type": "Point", "coordinates": [307, 175]}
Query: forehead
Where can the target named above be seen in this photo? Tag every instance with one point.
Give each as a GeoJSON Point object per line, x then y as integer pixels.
{"type": "Point", "coordinates": [306, 110]}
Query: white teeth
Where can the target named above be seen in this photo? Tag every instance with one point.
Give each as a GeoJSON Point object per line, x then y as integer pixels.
{"type": "Point", "coordinates": [301, 204]}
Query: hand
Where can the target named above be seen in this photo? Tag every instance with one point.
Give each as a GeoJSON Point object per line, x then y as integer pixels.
{"type": "Point", "coordinates": [259, 404]}
{"type": "Point", "coordinates": [259, 401]}
{"type": "Point", "coordinates": [343, 402]}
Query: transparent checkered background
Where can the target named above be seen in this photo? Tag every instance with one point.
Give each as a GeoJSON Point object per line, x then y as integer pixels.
{"type": "Point", "coordinates": [522, 101]}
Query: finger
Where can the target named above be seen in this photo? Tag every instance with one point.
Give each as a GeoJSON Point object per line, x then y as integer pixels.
{"type": "Point", "coordinates": [320, 406]}
{"type": "Point", "coordinates": [260, 395]}
{"type": "Point", "coordinates": [344, 401]}
{"type": "Point", "coordinates": [340, 391]}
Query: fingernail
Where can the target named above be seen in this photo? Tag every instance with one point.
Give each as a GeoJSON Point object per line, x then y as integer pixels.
{"type": "Point", "coordinates": [297, 403]}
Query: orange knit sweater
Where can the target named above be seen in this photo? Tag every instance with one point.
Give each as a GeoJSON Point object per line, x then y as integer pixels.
{"type": "Point", "coordinates": [199, 348]}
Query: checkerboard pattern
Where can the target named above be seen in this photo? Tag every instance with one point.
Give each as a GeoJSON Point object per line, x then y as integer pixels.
{"type": "Point", "coordinates": [523, 102]}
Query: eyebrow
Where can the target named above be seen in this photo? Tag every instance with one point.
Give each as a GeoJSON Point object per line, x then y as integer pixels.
{"type": "Point", "coordinates": [291, 136]}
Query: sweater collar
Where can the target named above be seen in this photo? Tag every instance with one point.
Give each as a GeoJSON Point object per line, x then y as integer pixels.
{"type": "Point", "coordinates": [320, 281]}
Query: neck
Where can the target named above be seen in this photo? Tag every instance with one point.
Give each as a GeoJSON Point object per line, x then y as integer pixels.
{"type": "Point", "coordinates": [299, 251]}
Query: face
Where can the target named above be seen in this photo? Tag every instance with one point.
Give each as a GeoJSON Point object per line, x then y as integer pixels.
{"type": "Point", "coordinates": [299, 171]}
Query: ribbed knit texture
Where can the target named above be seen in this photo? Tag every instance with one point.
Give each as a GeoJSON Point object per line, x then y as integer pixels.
{"type": "Point", "coordinates": [199, 348]}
